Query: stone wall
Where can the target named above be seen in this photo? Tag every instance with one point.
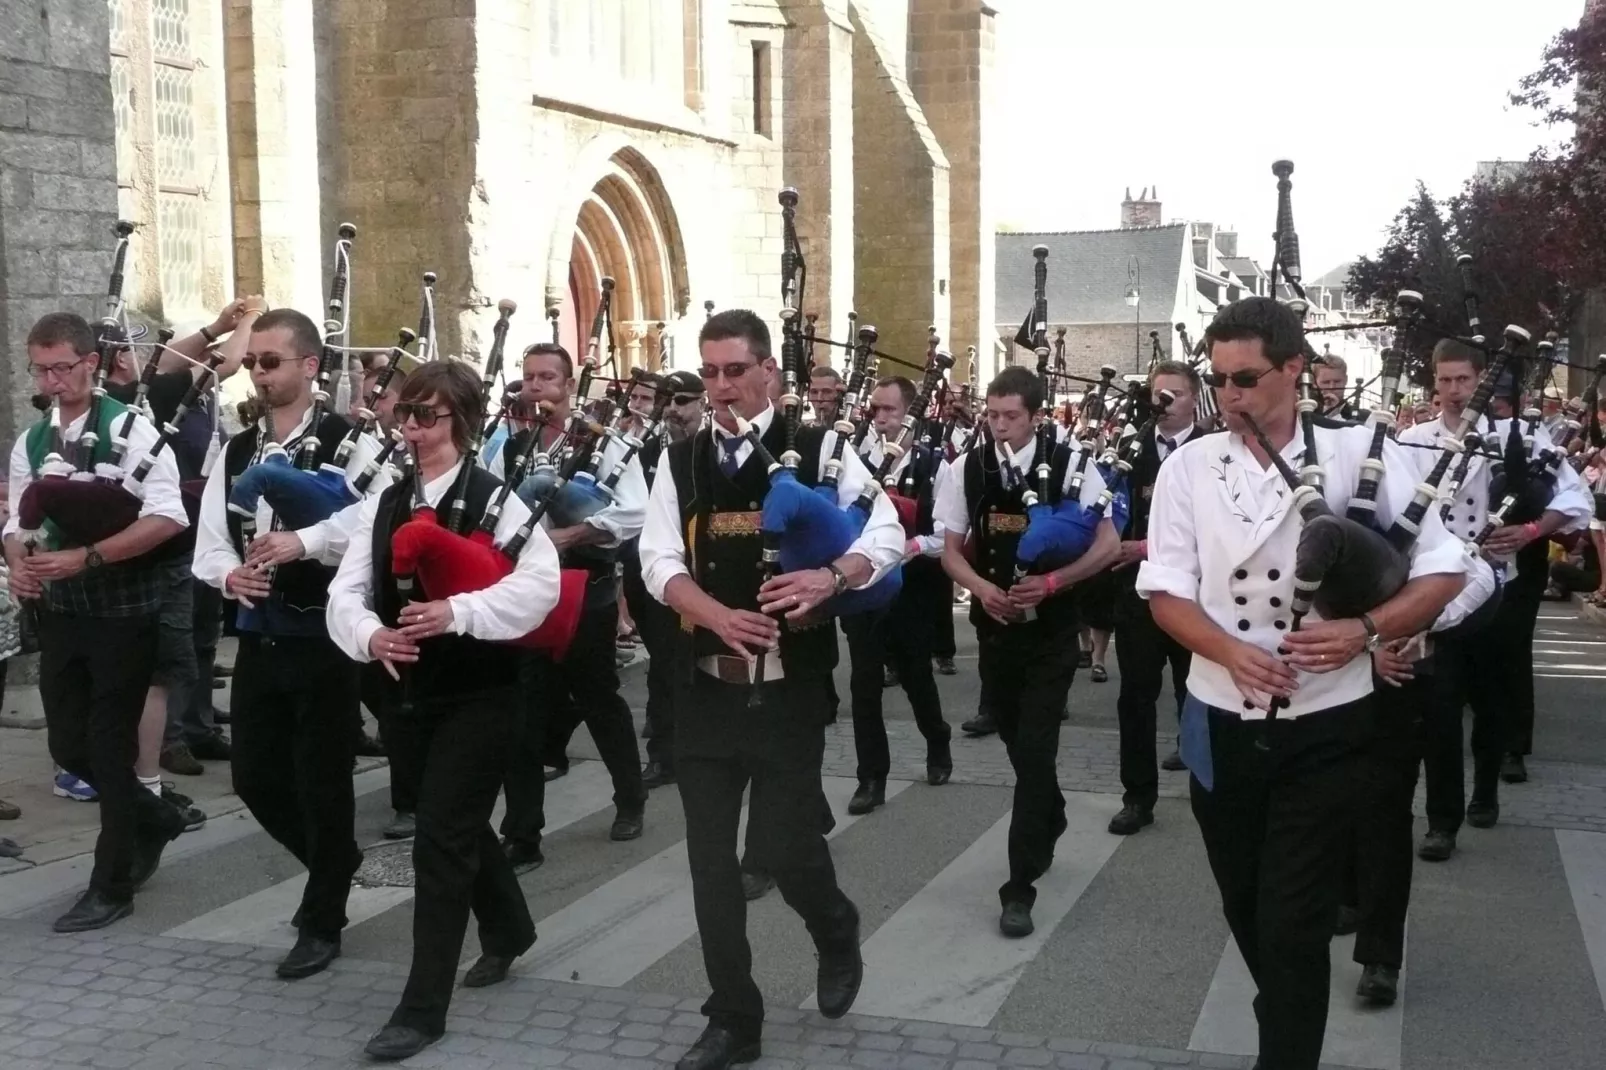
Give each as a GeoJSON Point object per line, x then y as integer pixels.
{"type": "Point", "coordinates": [58, 176]}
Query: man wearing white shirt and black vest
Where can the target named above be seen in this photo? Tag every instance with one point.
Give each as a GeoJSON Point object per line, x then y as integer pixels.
{"type": "Point", "coordinates": [98, 610]}
{"type": "Point", "coordinates": [1026, 630]}
{"type": "Point", "coordinates": [294, 694]}
{"type": "Point", "coordinates": [700, 555]}
{"type": "Point", "coordinates": [1274, 798]}
{"type": "Point", "coordinates": [1143, 649]}
{"type": "Point", "coordinates": [1484, 669]}
{"type": "Point", "coordinates": [584, 686]}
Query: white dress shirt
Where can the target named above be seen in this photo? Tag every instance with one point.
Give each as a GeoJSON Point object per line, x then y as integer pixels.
{"type": "Point", "coordinates": [1178, 440]}
{"type": "Point", "coordinates": [625, 514]}
{"type": "Point", "coordinates": [159, 494]}
{"type": "Point", "coordinates": [1223, 533]}
{"type": "Point", "coordinates": [953, 512]}
{"type": "Point", "coordinates": [663, 546]}
{"type": "Point", "coordinates": [1467, 515]}
{"type": "Point", "coordinates": [325, 542]}
{"type": "Point", "coordinates": [929, 545]}
{"type": "Point", "coordinates": [509, 609]}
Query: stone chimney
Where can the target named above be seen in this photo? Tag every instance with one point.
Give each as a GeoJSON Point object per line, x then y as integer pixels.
{"type": "Point", "coordinates": [1227, 242]}
{"type": "Point", "coordinates": [1143, 212]}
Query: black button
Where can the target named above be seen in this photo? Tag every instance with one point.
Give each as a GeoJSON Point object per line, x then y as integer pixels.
{"type": "Point", "coordinates": [1275, 602]}
{"type": "Point", "coordinates": [1241, 574]}
{"type": "Point", "coordinates": [1243, 626]}
{"type": "Point", "coordinates": [1470, 501]}
{"type": "Point", "coordinates": [1273, 575]}
{"type": "Point", "coordinates": [1279, 624]}
{"type": "Point", "coordinates": [1449, 520]}
{"type": "Point", "coordinates": [1241, 600]}
{"type": "Point", "coordinates": [1248, 705]}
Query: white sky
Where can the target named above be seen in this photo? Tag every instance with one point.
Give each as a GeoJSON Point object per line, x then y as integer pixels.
{"type": "Point", "coordinates": [1365, 96]}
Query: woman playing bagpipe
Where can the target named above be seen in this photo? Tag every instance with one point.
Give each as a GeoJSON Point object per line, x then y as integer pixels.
{"type": "Point", "coordinates": [1025, 625]}
{"type": "Point", "coordinates": [703, 554]}
{"type": "Point", "coordinates": [97, 592]}
{"type": "Point", "coordinates": [587, 525]}
{"type": "Point", "coordinates": [461, 676]}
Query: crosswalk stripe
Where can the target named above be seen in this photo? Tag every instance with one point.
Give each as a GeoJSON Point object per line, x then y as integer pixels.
{"type": "Point", "coordinates": [263, 918]}
{"type": "Point", "coordinates": [611, 935]}
{"type": "Point", "coordinates": [940, 957]}
{"type": "Point", "coordinates": [1583, 858]}
{"type": "Point", "coordinates": [1372, 1038]}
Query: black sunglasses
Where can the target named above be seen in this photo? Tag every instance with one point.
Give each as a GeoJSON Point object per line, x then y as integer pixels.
{"type": "Point", "coordinates": [1243, 380]}
{"type": "Point", "coordinates": [268, 361]}
{"type": "Point", "coordinates": [421, 414]}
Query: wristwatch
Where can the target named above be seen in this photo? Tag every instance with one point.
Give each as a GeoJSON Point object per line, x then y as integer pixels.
{"type": "Point", "coordinates": [1373, 639]}
{"type": "Point", "coordinates": [211, 339]}
{"type": "Point", "coordinates": [92, 558]}
{"type": "Point", "coordinates": [839, 580]}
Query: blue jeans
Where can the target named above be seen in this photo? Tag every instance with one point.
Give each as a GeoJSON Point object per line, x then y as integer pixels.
{"type": "Point", "coordinates": [175, 652]}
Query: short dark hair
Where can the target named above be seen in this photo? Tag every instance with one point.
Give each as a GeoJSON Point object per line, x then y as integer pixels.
{"type": "Point", "coordinates": [552, 349]}
{"type": "Point", "coordinates": [1018, 382]}
{"type": "Point", "coordinates": [825, 371]}
{"type": "Point", "coordinates": [303, 332]}
{"type": "Point", "coordinates": [1274, 323]}
{"type": "Point", "coordinates": [58, 328]}
{"type": "Point", "coordinates": [1178, 369]}
{"type": "Point", "coordinates": [906, 387]}
{"type": "Point", "coordinates": [738, 323]}
{"type": "Point", "coordinates": [458, 387]}
{"type": "Point", "coordinates": [1450, 351]}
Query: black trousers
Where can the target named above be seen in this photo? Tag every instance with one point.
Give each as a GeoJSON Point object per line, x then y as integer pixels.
{"type": "Point", "coordinates": [723, 746]}
{"type": "Point", "coordinates": [557, 698]}
{"type": "Point", "coordinates": [1467, 671]}
{"type": "Point", "coordinates": [942, 640]}
{"type": "Point", "coordinates": [1026, 674]}
{"type": "Point", "coordinates": [1277, 828]}
{"type": "Point", "coordinates": [902, 638]}
{"type": "Point", "coordinates": [293, 750]}
{"type": "Point", "coordinates": [463, 747]}
{"type": "Point", "coordinates": [399, 733]}
{"type": "Point", "coordinates": [659, 627]}
{"type": "Point", "coordinates": [1514, 623]}
{"type": "Point", "coordinates": [93, 676]}
{"type": "Point", "coordinates": [1379, 887]}
{"type": "Point", "coordinates": [1142, 651]}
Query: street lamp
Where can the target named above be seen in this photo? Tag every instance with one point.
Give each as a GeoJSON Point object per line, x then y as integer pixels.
{"type": "Point", "coordinates": [1135, 299]}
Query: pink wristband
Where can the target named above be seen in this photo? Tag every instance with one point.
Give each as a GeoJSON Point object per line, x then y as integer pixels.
{"type": "Point", "coordinates": [1053, 584]}
{"type": "Point", "coordinates": [1532, 528]}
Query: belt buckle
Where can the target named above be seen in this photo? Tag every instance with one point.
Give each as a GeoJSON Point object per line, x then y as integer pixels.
{"type": "Point", "coordinates": [732, 669]}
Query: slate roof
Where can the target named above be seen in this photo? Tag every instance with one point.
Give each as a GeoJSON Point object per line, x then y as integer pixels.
{"type": "Point", "coordinates": [1337, 279]}
{"type": "Point", "coordinates": [1087, 280]}
{"type": "Point", "coordinates": [1242, 266]}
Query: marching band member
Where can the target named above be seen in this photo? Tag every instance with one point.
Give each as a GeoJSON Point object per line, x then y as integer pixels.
{"type": "Point", "coordinates": [1142, 649]}
{"type": "Point", "coordinates": [97, 622]}
{"type": "Point", "coordinates": [463, 681]}
{"type": "Point", "coordinates": [1026, 631]}
{"type": "Point", "coordinates": [715, 484]}
{"type": "Point", "coordinates": [584, 686]}
{"type": "Point", "coordinates": [294, 694]}
{"type": "Point", "coordinates": [1273, 798]}
{"type": "Point", "coordinates": [825, 394]}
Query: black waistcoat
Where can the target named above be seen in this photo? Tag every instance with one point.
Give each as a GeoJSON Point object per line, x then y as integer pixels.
{"type": "Point", "coordinates": [303, 586]}
{"type": "Point", "coordinates": [454, 666]}
{"type": "Point", "coordinates": [597, 561]}
{"type": "Point", "coordinates": [997, 521]}
{"type": "Point", "coordinates": [918, 480]}
{"type": "Point", "coordinates": [719, 520]}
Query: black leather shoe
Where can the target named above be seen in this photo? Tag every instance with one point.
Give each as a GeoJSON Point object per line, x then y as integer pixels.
{"type": "Point", "coordinates": [1016, 920]}
{"type": "Point", "coordinates": [1514, 770]}
{"type": "Point", "coordinates": [398, 1042]}
{"type": "Point", "coordinates": [312, 954]}
{"type": "Point", "coordinates": [1348, 920]}
{"type": "Point", "coordinates": [1436, 846]}
{"type": "Point", "coordinates": [1131, 819]}
{"type": "Point", "coordinates": [524, 857]}
{"type": "Point", "coordinates": [656, 775]}
{"type": "Point", "coordinates": [980, 725]}
{"type": "Point", "coordinates": [841, 971]}
{"type": "Point", "coordinates": [871, 795]}
{"type": "Point", "coordinates": [487, 970]}
{"type": "Point", "coordinates": [1380, 985]}
{"type": "Point", "coordinates": [212, 748]}
{"type": "Point", "coordinates": [93, 911]}
{"type": "Point", "coordinates": [627, 825]}
{"type": "Point", "coordinates": [939, 764]}
{"type": "Point", "coordinates": [552, 774]}
{"type": "Point", "coordinates": [1173, 763]}
{"type": "Point", "coordinates": [1482, 815]}
{"type": "Point", "coordinates": [718, 1048]}
{"type": "Point", "coordinates": [1084, 659]}
{"type": "Point", "coordinates": [402, 827]}
{"type": "Point", "coordinates": [756, 885]}
{"type": "Point", "coordinates": [147, 856]}
{"type": "Point", "coordinates": [946, 667]}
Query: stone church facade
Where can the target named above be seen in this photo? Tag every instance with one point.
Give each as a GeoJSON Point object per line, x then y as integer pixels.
{"type": "Point", "coordinates": [518, 148]}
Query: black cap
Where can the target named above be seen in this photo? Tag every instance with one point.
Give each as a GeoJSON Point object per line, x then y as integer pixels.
{"type": "Point", "coordinates": [684, 382]}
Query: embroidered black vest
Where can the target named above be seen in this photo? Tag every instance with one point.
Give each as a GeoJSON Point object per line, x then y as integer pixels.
{"type": "Point", "coordinates": [918, 481]}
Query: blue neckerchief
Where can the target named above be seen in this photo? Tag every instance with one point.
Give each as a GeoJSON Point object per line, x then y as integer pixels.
{"type": "Point", "coordinates": [1193, 742]}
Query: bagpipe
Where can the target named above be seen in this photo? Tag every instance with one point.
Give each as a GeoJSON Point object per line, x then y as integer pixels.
{"type": "Point", "coordinates": [85, 500]}
{"type": "Point", "coordinates": [894, 449]}
{"type": "Point", "coordinates": [1206, 411]}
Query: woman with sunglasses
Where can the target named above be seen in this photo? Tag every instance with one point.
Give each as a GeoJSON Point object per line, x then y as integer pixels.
{"type": "Point", "coordinates": [464, 686]}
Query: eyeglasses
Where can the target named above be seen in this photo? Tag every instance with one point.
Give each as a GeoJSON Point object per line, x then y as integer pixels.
{"type": "Point", "coordinates": [268, 361]}
{"type": "Point", "coordinates": [57, 371]}
{"type": "Point", "coordinates": [731, 372]}
{"type": "Point", "coordinates": [423, 415]}
{"type": "Point", "coordinates": [1243, 380]}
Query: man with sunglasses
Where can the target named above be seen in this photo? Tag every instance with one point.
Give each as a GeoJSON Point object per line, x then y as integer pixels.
{"type": "Point", "coordinates": [1275, 798]}
{"type": "Point", "coordinates": [295, 694]}
{"type": "Point", "coordinates": [98, 612]}
{"type": "Point", "coordinates": [584, 686]}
